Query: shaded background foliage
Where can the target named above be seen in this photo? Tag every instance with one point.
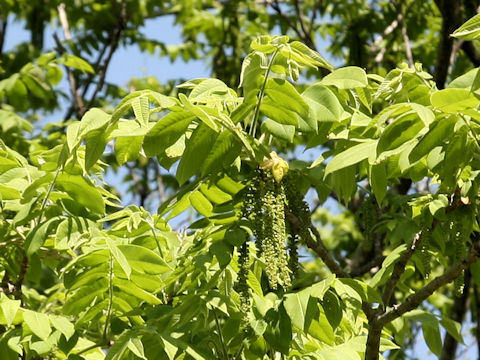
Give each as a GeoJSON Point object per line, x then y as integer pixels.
{"type": "Point", "coordinates": [375, 35]}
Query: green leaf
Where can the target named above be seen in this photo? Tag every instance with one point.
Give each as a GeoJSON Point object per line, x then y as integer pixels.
{"type": "Point", "coordinates": [130, 288]}
{"type": "Point", "coordinates": [141, 109]}
{"type": "Point", "coordinates": [274, 112]}
{"type": "Point", "coordinates": [281, 131]}
{"type": "Point", "coordinates": [214, 194]}
{"type": "Point", "coordinates": [37, 322]}
{"type": "Point", "coordinates": [312, 55]}
{"type": "Point", "coordinates": [93, 120]}
{"type": "Point", "coordinates": [9, 193]}
{"type": "Point", "coordinates": [431, 333]}
{"type": "Point", "coordinates": [37, 236]}
{"type": "Point", "coordinates": [296, 307]}
{"type": "Point", "coordinates": [351, 156]}
{"type": "Point", "coordinates": [279, 331]}
{"type": "Point", "coordinates": [284, 94]}
{"type": "Point", "coordinates": [319, 289]}
{"type": "Point", "coordinates": [349, 77]}
{"type": "Point", "coordinates": [9, 308]}
{"type": "Point", "coordinates": [196, 150]}
{"type": "Point", "coordinates": [136, 347]}
{"type": "Point", "coordinates": [324, 105]}
{"type": "Point", "coordinates": [94, 148]}
{"type": "Point", "coordinates": [82, 191]}
{"type": "Point", "coordinates": [144, 260]}
{"type": "Point", "coordinates": [73, 137]}
{"type": "Point", "coordinates": [189, 349]}
{"type": "Point", "coordinates": [470, 30]}
{"type": "Point", "coordinates": [453, 100]}
{"type": "Point", "coordinates": [222, 251]}
{"type": "Point", "coordinates": [378, 181]}
{"type": "Point", "coordinates": [453, 328]}
{"type": "Point", "coordinates": [63, 325]}
{"type": "Point", "coordinates": [128, 148]}
{"type": "Point", "coordinates": [333, 309]}
{"type": "Point", "coordinates": [321, 328]}
{"type": "Point", "coordinates": [198, 112]}
{"type": "Point", "coordinates": [439, 132]}
{"type": "Point", "coordinates": [401, 130]}
{"type": "Point", "coordinates": [119, 257]}
{"type": "Point", "coordinates": [166, 132]}
{"type": "Point", "coordinates": [224, 151]}
{"type": "Point", "coordinates": [201, 203]}
{"type": "Point", "coordinates": [76, 63]}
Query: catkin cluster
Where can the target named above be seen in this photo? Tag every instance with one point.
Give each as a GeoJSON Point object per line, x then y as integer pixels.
{"type": "Point", "coordinates": [460, 235]}
{"type": "Point", "coordinates": [268, 225]}
{"type": "Point", "coordinates": [423, 253]}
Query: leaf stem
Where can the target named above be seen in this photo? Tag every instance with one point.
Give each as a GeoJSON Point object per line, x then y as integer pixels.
{"type": "Point", "coordinates": [110, 300]}
{"type": "Point", "coordinates": [220, 334]}
{"type": "Point", "coordinates": [49, 191]}
{"type": "Point", "coordinates": [253, 129]}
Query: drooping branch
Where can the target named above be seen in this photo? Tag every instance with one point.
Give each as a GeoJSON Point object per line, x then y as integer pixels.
{"type": "Point", "coordinates": [421, 295]}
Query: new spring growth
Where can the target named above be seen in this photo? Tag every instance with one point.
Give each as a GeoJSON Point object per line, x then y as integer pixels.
{"type": "Point", "coordinates": [276, 165]}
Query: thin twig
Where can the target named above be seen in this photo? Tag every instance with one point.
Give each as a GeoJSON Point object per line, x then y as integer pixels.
{"type": "Point", "coordinates": [388, 30]}
{"type": "Point", "coordinates": [399, 268]}
{"type": "Point", "coordinates": [276, 6]}
{"type": "Point", "coordinates": [115, 39]}
{"type": "Point", "coordinates": [306, 35]}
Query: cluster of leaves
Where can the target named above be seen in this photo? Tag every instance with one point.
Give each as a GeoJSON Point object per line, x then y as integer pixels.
{"type": "Point", "coordinates": [85, 278]}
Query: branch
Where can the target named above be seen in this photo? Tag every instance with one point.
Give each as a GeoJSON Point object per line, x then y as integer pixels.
{"type": "Point", "coordinates": [451, 19]}
{"type": "Point", "coordinates": [315, 243]}
{"type": "Point", "coordinates": [3, 30]}
{"type": "Point", "coordinates": [375, 48]}
{"type": "Point", "coordinates": [419, 296]}
{"type": "Point", "coordinates": [406, 40]}
{"type": "Point", "coordinates": [302, 35]}
{"type": "Point", "coordinates": [476, 311]}
{"type": "Point", "coordinates": [399, 268]}
{"type": "Point", "coordinates": [306, 34]}
{"type": "Point", "coordinates": [114, 41]}
{"type": "Point", "coordinates": [71, 78]}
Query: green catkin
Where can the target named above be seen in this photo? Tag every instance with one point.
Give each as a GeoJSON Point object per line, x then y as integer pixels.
{"type": "Point", "coordinates": [293, 241]}
{"type": "Point", "coordinates": [298, 207]}
{"type": "Point", "coordinates": [242, 286]}
{"type": "Point", "coordinates": [280, 234]}
{"type": "Point", "coordinates": [423, 253]}
{"type": "Point", "coordinates": [269, 246]}
{"type": "Point", "coordinates": [369, 212]}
